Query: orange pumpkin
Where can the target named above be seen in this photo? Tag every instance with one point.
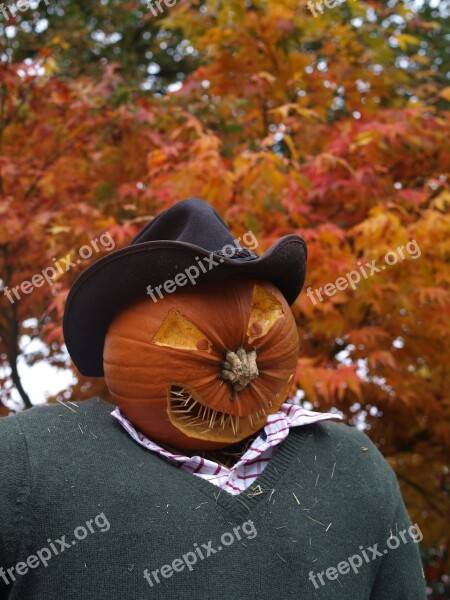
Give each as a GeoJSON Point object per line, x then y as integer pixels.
{"type": "Point", "coordinates": [202, 368]}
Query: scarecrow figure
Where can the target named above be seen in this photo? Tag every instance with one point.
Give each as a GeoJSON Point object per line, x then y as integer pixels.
{"type": "Point", "coordinates": [201, 481]}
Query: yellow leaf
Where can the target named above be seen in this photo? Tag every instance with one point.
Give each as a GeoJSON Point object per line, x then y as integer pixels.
{"type": "Point", "coordinates": [307, 113]}
{"type": "Point", "coordinates": [291, 146]}
{"type": "Point", "coordinates": [445, 93]}
{"type": "Point", "coordinates": [332, 160]}
{"type": "Point", "coordinates": [442, 202]}
{"type": "Point", "coordinates": [362, 139]}
{"type": "Point", "coordinates": [267, 76]}
{"type": "Point", "coordinates": [50, 66]}
{"type": "Point", "coordinates": [57, 229]}
{"type": "Point", "coordinates": [423, 60]}
{"type": "Point", "coordinates": [404, 40]}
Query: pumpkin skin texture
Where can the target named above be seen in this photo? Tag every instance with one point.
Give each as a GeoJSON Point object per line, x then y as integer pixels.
{"type": "Point", "coordinates": [202, 368]}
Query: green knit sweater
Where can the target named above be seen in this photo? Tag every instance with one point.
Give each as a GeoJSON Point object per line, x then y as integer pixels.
{"type": "Point", "coordinates": [86, 513]}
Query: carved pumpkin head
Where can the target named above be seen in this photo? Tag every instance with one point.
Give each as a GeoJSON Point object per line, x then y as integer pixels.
{"type": "Point", "coordinates": [202, 368]}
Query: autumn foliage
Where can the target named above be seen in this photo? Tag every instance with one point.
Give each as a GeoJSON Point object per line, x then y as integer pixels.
{"type": "Point", "coordinates": [333, 127]}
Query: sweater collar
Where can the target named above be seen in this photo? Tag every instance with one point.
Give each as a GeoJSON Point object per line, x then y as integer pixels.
{"type": "Point", "coordinates": [249, 467]}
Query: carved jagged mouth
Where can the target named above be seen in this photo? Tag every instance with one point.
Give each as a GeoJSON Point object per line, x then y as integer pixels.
{"type": "Point", "coordinates": [194, 418]}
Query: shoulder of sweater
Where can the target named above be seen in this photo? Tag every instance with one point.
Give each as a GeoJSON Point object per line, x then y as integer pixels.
{"type": "Point", "coordinates": [344, 433]}
{"type": "Point", "coordinates": [45, 437]}
{"type": "Point", "coordinates": [356, 449]}
{"type": "Point", "coordinates": [57, 416]}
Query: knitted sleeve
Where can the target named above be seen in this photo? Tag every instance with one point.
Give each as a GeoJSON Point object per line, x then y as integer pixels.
{"type": "Point", "coordinates": [400, 574]}
{"type": "Point", "coordinates": [14, 493]}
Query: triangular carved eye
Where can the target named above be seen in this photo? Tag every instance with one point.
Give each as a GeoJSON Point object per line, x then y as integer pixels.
{"type": "Point", "coordinates": [176, 331]}
{"type": "Point", "coordinates": [264, 313]}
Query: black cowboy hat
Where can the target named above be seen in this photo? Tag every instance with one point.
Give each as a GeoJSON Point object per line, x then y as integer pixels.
{"type": "Point", "coordinates": [167, 246]}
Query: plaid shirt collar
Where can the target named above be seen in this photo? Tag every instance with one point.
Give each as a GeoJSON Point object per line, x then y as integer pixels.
{"type": "Point", "coordinates": [251, 464]}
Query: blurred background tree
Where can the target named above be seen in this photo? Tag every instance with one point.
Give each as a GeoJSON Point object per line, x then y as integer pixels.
{"type": "Point", "coordinates": [335, 127]}
{"type": "Point", "coordinates": [85, 36]}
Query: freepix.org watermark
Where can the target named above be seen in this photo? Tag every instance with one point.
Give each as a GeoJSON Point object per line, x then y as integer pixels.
{"type": "Point", "coordinates": [57, 547]}
{"type": "Point", "coordinates": [62, 266]}
{"type": "Point", "coordinates": [352, 278]}
{"type": "Point", "coordinates": [355, 562]}
{"type": "Point", "coordinates": [318, 5]}
{"type": "Point", "coordinates": [203, 265]}
{"type": "Point", "coordinates": [19, 6]}
{"type": "Point", "coordinates": [201, 552]}
{"type": "Point", "coordinates": [156, 6]}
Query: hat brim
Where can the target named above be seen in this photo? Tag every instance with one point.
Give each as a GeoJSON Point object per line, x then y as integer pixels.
{"type": "Point", "coordinates": [112, 282]}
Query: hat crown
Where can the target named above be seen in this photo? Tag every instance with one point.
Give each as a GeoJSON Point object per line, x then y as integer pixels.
{"type": "Point", "coordinates": [191, 221]}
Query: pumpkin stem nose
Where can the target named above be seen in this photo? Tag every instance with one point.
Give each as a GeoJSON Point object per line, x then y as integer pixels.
{"type": "Point", "coordinates": [239, 368]}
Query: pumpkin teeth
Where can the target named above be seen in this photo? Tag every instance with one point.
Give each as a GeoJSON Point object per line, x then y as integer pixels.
{"type": "Point", "coordinates": [233, 424]}
{"type": "Point", "coordinates": [176, 392]}
{"type": "Point", "coordinates": [261, 413]}
{"type": "Point", "coordinates": [213, 418]}
{"type": "Point", "coordinates": [186, 409]}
